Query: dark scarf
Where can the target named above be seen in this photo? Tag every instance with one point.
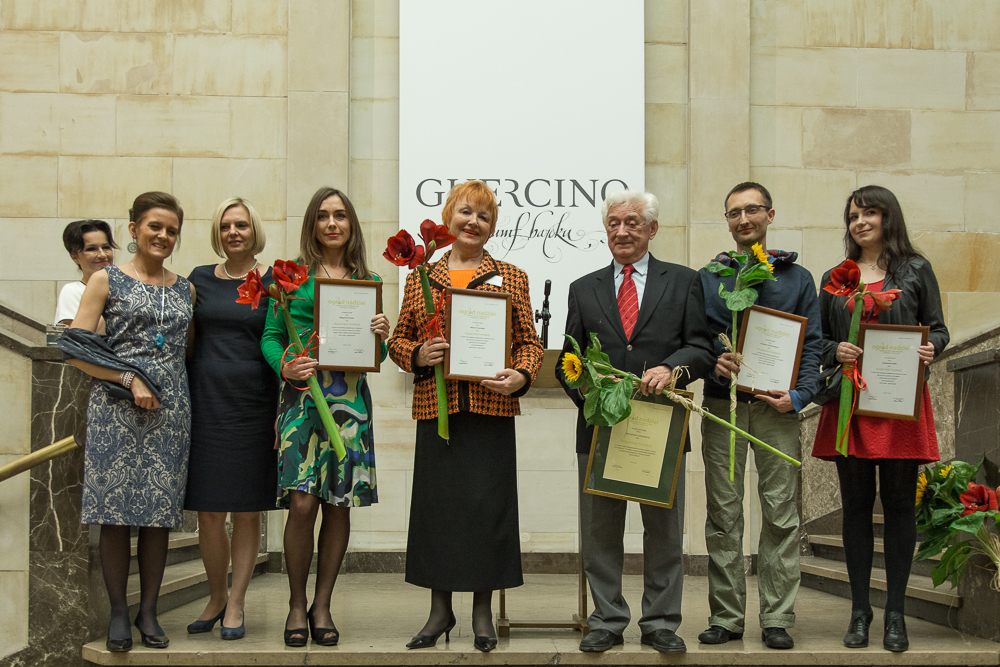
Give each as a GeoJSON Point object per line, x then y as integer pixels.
{"type": "Point", "coordinates": [88, 346]}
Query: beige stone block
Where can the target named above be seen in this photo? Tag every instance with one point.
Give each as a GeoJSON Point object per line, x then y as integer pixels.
{"type": "Point", "coordinates": [274, 231]}
{"type": "Point", "coordinates": [104, 187]}
{"type": "Point", "coordinates": [251, 66]}
{"type": "Point", "coordinates": [318, 151]}
{"type": "Point", "coordinates": [778, 22]}
{"type": "Point", "coordinates": [33, 298]}
{"type": "Point", "coordinates": [49, 123]}
{"type": "Point", "coordinates": [89, 15]}
{"type": "Point", "coordinates": [971, 314]}
{"type": "Point", "coordinates": [389, 513]}
{"type": "Point", "coordinates": [259, 127]}
{"type": "Point", "coordinates": [260, 181]}
{"type": "Point", "coordinates": [695, 512]}
{"type": "Point", "coordinates": [30, 61]}
{"type": "Point", "coordinates": [822, 249]}
{"type": "Point", "coordinates": [375, 68]}
{"type": "Point", "coordinates": [982, 89]}
{"type": "Point", "coordinates": [374, 189]}
{"type": "Point", "coordinates": [666, 73]}
{"type": "Point", "coordinates": [708, 239]}
{"type": "Point", "coordinates": [376, 233]}
{"type": "Point", "coordinates": [375, 129]}
{"type": "Point", "coordinates": [974, 272]}
{"type": "Point", "coordinates": [176, 16]}
{"type": "Point", "coordinates": [982, 202]}
{"type": "Point", "coordinates": [803, 77]}
{"type": "Point", "coordinates": [864, 23]}
{"type": "Point", "coordinates": [175, 126]}
{"type": "Point", "coordinates": [789, 240]}
{"type": "Point", "coordinates": [375, 18]}
{"type": "Point", "coordinates": [720, 155]}
{"type": "Point", "coordinates": [39, 239]}
{"type": "Point", "coordinates": [665, 21]}
{"type": "Point", "coordinates": [14, 509]}
{"type": "Point", "coordinates": [956, 25]}
{"type": "Point", "coordinates": [930, 202]}
{"type": "Point", "coordinates": [195, 247]}
{"type": "Point", "coordinates": [115, 63]}
{"type": "Point", "coordinates": [911, 79]}
{"type": "Point", "coordinates": [251, 17]}
{"type": "Point", "coordinates": [855, 138]}
{"type": "Point", "coordinates": [547, 500]}
{"type": "Point", "coordinates": [670, 244]}
{"type": "Point", "coordinates": [776, 136]}
{"type": "Point", "coordinates": [293, 235]}
{"type": "Point", "coordinates": [15, 371]}
{"type": "Point", "coordinates": [316, 28]}
{"type": "Point", "coordinates": [720, 38]}
{"type": "Point", "coordinates": [29, 186]}
{"type": "Point", "coordinates": [806, 197]}
{"type": "Point", "coordinates": [666, 134]}
{"type": "Point", "coordinates": [954, 140]}
{"type": "Point", "coordinates": [14, 613]}
{"type": "Point", "coordinates": [669, 184]}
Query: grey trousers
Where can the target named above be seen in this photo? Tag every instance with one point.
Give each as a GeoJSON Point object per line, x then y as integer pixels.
{"type": "Point", "coordinates": [778, 553]}
{"type": "Point", "coordinates": [602, 541]}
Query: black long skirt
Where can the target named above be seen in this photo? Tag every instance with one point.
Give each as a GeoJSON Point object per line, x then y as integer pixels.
{"type": "Point", "coordinates": [464, 532]}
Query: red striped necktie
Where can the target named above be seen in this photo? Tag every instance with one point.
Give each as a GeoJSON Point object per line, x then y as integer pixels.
{"type": "Point", "coordinates": [628, 301]}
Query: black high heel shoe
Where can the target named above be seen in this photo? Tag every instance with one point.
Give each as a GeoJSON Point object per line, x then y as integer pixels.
{"type": "Point", "coordinates": [484, 644]}
{"type": "Point", "coordinates": [322, 636]}
{"type": "Point", "coordinates": [119, 645]}
{"type": "Point", "coordinates": [206, 626]}
{"type": "Point", "coordinates": [426, 641]}
{"type": "Point", "coordinates": [152, 641]}
{"type": "Point", "coordinates": [292, 640]}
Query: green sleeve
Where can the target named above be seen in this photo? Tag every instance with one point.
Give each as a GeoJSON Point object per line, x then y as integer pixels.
{"type": "Point", "coordinates": [385, 348]}
{"type": "Point", "coordinates": [273, 340]}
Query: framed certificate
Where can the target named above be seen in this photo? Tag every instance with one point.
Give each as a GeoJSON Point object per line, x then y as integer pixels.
{"type": "Point", "coordinates": [343, 312]}
{"type": "Point", "coordinates": [640, 458]}
{"type": "Point", "coordinates": [478, 334]}
{"type": "Point", "coordinates": [771, 345]}
{"type": "Point", "coordinates": [892, 370]}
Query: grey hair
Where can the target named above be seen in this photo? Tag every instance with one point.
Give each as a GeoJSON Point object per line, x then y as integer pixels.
{"type": "Point", "coordinates": [650, 204]}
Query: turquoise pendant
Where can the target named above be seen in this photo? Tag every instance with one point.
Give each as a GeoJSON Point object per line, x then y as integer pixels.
{"type": "Point", "coordinates": [159, 340]}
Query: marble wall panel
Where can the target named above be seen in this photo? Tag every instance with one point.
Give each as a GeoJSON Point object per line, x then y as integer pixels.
{"type": "Point", "coordinates": [14, 612]}
{"type": "Point", "coordinates": [15, 375]}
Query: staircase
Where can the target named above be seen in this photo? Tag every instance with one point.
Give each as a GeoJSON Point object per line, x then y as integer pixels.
{"type": "Point", "coordinates": [826, 570]}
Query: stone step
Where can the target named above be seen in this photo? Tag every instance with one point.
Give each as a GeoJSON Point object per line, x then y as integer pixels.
{"type": "Point", "coordinates": [832, 547]}
{"type": "Point", "coordinates": [181, 548]}
{"type": "Point", "coordinates": [923, 600]}
{"type": "Point", "coordinates": [182, 583]}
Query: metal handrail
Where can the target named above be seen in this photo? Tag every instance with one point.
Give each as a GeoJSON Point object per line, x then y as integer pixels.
{"type": "Point", "coordinates": [29, 461]}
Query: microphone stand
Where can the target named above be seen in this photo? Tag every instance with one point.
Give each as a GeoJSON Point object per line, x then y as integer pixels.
{"type": "Point", "coordinates": [544, 315]}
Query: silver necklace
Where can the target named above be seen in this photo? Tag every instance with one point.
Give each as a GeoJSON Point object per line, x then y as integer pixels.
{"type": "Point", "coordinates": [232, 277]}
{"type": "Point", "coordinates": [163, 294]}
{"type": "Point", "coordinates": [347, 272]}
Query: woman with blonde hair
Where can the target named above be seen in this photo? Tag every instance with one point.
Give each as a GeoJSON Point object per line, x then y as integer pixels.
{"type": "Point", "coordinates": [234, 398]}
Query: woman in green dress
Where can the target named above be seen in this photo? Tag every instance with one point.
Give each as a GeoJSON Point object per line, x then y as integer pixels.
{"type": "Point", "coordinates": [310, 478]}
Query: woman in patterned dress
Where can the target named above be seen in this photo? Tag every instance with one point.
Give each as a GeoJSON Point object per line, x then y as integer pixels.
{"type": "Point", "coordinates": [310, 478]}
{"type": "Point", "coordinates": [135, 464]}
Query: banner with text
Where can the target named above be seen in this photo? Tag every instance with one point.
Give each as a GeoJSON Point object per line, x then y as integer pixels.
{"type": "Point", "coordinates": [541, 99]}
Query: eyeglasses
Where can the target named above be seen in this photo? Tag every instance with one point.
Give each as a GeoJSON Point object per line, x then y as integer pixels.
{"type": "Point", "coordinates": [751, 210]}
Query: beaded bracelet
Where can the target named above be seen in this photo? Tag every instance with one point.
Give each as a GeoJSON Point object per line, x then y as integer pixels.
{"type": "Point", "coordinates": [126, 379]}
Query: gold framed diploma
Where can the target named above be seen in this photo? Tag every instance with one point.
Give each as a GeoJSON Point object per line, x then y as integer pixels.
{"type": "Point", "coordinates": [771, 345]}
{"type": "Point", "coordinates": [640, 458]}
{"type": "Point", "coordinates": [893, 373]}
{"type": "Point", "coordinates": [478, 334]}
{"type": "Point", "coordinates": [342, 313]}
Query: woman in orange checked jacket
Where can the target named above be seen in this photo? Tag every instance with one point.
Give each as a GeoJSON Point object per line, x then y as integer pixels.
{"type": "Point", "coordinates": [463, 533]}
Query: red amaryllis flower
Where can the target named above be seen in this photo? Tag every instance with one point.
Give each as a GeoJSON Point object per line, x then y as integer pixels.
{"type": "Point", "coordinates": [401, 250]}
{"type": "Point", "coordinates": [289, 275]}
{"type": "Point", "coordinates": [433, 233]}
{"type": "Point", "coordinates": [252, 290]}
{"type": "Point", "coordinates": [883, 300]}
{"type": "Point", "coordinates": [978, 498]}
{"type": "Point", "coordinates": [844, 280]}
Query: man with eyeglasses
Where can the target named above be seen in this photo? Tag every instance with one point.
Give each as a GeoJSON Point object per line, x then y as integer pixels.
{"type": "Point", "coordinates": [771, 417]}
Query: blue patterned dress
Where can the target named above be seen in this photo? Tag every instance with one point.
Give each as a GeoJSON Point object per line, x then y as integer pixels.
{"type": "Point", "coordinates": [136, 460]}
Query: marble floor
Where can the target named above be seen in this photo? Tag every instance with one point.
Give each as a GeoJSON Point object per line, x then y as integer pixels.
{"type": "Point", "coordinates": [378, 613]}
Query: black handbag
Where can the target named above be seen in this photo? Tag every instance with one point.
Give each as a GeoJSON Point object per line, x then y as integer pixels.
{"type": "Point", "coordinates": [829, 384]}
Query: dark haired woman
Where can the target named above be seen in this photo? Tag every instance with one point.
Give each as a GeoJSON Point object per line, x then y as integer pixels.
{"type": "Point", "coordinates": [92, 246]}
{"type": "Point", "coordinates": [135, 465]}
{"type": "Point", "coordinates": [234, 398]}
{"type": "Point", "coordinates": [893, 449]}
{"type": "Point", "coordinates": [310, 478]}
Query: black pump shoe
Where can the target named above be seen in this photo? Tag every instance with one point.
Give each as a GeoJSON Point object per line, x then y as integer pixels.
{"type": "Point", "coordinates": [895, 639]}
{"type": "Point", "coordinates": [296, 641]}
{"type": "Point", "coordinates": [485, 644]}
{"type": "Point", "coordinates": [152, 641]}
{"type": "Point", "coordinates": [857, 629]}
{"type": "Point", "coordinates": [426, 641]}
{"type": "Point", "coordinates": [119, 645]}
{"type": "Point", "coordinates": [322, 636]}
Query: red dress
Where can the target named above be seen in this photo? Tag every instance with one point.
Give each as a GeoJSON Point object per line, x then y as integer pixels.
{"type": "Point", "coordinates": [878, 437]}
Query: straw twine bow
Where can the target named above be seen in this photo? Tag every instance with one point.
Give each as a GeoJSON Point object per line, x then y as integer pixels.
{"type": "Point", "coordinates": [738, 358]}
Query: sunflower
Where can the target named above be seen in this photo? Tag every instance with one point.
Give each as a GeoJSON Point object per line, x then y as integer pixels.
{"type": "Point", "coordinates": [572, 367]}
{"type": "Point", "coordinates": [921, 486]}
{"type": "Point", "coordinates": [945, 470]}
{"type": "Point", "coordinates": [761, 256]}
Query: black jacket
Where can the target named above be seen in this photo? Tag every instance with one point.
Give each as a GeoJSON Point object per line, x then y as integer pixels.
{"type": "Point", "coordinates": [671, 328]}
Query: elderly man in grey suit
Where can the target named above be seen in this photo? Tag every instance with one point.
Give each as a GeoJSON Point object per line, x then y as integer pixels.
{"type": "Point", "coordinates": [650, 318]}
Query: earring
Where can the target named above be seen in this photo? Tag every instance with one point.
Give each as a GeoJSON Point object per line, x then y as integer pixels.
{"type": "Point", "coordinates": [132, 246]}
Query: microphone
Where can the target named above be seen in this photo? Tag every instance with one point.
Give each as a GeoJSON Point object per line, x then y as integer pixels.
{"type": "Point", "coordinates": [545, 315]}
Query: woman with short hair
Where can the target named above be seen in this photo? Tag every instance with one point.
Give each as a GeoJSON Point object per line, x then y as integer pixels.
{"type": "Point", "coordinates": [92, 247]}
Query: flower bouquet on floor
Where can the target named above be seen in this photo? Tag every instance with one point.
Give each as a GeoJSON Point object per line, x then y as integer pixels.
{"type": "Point", "coordinates": [402, 250]}
{"type": "Point", "coordinates": [845, 280]}
{"type": "Point", "coordinates": [608, 391]}
{"type": "Point", "coordinates": [288, 277]}
{"type": "Point", "coordinates": [950, 508]}
{"type": "Point", "coordinates": [753, 268]}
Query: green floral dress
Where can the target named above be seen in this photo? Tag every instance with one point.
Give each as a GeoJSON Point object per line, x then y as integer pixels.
{"type": "Point", "coordinates": [306, 460]}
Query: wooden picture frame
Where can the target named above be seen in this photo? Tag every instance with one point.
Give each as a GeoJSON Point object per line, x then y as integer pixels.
{"type": "Point", "coordinates": [767, 316]}
{"type": "Point", "coordinates": [888, 370]}
{"type": "Point", "coordinates": [358, 322]}
{"type": "Point", "coordinates": [461, 360]}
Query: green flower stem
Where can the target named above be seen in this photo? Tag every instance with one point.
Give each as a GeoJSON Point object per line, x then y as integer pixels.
{"type": "Point", "coordinates": [732, 412]}
{"type": "Point", "coordinates": [847, 385]}
{"type": "Point", "coordinates": [314, 390]}
{"type": "Point", "coordinates": [442, 391]}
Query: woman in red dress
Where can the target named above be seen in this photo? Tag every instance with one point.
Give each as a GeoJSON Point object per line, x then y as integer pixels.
{"type": "Point", "coordinates": [877, 240]}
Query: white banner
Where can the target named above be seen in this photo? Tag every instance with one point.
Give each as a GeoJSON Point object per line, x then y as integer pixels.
{"type": "Point", "coordinates": [541, 99]}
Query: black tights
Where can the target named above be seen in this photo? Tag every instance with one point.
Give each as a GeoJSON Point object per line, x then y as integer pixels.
{"type": "Point", "coordinates": [115, 557]}
{"type": "Point", "coordinates": [441, 611]}
{"type": "Point", "coordinates": [898, 490]}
